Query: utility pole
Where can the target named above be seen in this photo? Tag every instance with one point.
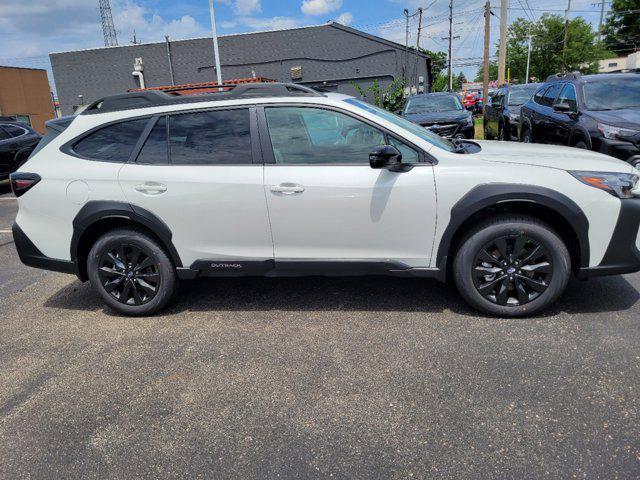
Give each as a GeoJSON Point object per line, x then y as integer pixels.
{"type": "Point", "coordinates": [418, 43]}
{"type": "Point", "coordinates": [528, 57]}
{"type": "Point", "coordinates": [601, 20]}
{"type": "Point", "coordinates": [216, 51]}
{"type": "Point", "coordinates": [566, 33]}
{"type": "Point", "coordinates": [487, 34]}
{"type": "Point", "coordinates": [450, 40]}
{"type": "Point", "coordinates": [406, 44]}
{"type": "Point", "coordinates": [502, 51]}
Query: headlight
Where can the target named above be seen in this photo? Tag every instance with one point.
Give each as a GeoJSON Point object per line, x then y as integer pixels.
{"type": "Point", "coordinates": [621, 185]}
{"type": "Point", "coordinates": [609, 131]}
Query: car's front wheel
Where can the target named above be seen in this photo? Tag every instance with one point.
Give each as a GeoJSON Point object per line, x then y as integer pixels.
{"type": "Point", "coordinates": [527, 136]}
{"type": "Point", "coordinates": [512, 266]}
{"type": "Point", "coordinates": [131, 272]}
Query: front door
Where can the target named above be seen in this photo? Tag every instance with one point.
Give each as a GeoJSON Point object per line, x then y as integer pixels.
{"type": "Point", "coordinates": [327, 206]}
{"type": "Point", "coordinates": [197, 171]}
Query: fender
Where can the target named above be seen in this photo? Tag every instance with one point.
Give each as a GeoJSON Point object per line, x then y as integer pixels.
{"type": "Point", "coordinates": [491, 194]}
{"type": "Point", "coordinates": [583, 133]}
{"type": "Point", "coordinates": [95, 211]}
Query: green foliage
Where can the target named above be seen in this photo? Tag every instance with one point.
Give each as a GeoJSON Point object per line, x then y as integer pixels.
{"type": "Point", "coordinates": [493, 72]}
{"type": "Point", "coordinates": [440, 83]}
{"type": "Point", "coordinates": [583, 49]}
{"type": "Point", "coordinates": [390, 98]}
{"type": "Point", "coordinates": [621, 29]}
{"type": "Point", "coordinates": [461, 79]}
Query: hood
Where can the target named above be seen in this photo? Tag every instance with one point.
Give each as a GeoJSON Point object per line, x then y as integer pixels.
{"type": "Point", "coordinates": [627, 117]}
{"type": "Point", "coordinates": [437, 117]}
{"type": "Point", "coordinates": [551, 156]}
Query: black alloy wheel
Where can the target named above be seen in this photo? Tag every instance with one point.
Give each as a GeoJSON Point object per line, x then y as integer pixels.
{"type": "Point", "coordinates": [512, 270]}
{"type": "Point", "coordinates": [132, 272]}
{"type": "Point", "coordinates": [129, 274]}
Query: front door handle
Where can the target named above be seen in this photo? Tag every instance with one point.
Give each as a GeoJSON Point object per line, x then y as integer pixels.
{"type": "Point", "coordinates": [151, 188]}
{"type": "Point", "coordinates": [287, 188]}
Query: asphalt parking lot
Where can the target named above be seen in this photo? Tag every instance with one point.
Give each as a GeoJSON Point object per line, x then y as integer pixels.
{"type": "Point", "coordinates": [314, 378]}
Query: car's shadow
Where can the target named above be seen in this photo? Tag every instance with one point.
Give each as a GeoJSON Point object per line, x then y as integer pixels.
{"type": "Point", "coordinates": [5, 187]}
{"type": "Point", "coordinates": [598, 295]}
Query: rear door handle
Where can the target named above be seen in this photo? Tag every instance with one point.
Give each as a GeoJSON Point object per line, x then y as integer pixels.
{"type": "Point", "coordinates": [151, 188]}
{"type": "Point", "coordinates": [287, 188]}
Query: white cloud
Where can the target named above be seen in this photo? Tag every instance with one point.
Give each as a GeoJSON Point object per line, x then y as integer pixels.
{"type": "Point", "coordinates": [320, 7]}
{"type": "Point", "coordinates": [270, 23]}
{"type": "Point", "coordinates": [345, 18]}
{"type": "Point", "coordinates": [244, 7]}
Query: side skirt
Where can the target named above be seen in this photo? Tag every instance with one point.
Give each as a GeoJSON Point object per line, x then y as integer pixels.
{"type": "Point", "coordinates": [303, 268]}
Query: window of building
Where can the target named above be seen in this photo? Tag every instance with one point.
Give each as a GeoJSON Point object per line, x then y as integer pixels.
{"type": "Point", "coordinates": [113, 143]}
{"type": "Point", "coordinates": [210, 138]}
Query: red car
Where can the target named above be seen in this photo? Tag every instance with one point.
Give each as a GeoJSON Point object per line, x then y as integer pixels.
{"type": "Point", "coordinates": [473, 101]}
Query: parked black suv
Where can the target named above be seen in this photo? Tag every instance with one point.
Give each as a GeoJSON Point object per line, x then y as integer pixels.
{"type": "Point", "coordinates": [598, 112]}
{"type": "Point", "coordinates": [442, 113]}
{"type": "Point", "coordinates": [502, 113]}
{"type": "Point", "coordinates": [17, 141]}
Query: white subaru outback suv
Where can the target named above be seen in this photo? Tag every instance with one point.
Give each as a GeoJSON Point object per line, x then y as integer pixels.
{"type": "Point", "coordinates": [144, 189]}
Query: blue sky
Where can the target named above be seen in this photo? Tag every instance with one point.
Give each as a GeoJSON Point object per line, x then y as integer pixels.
{"type": "Point", "coordinates": [30, 30]}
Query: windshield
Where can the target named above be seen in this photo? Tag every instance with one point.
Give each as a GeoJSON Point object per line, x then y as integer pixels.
{"type": "Point", "coordinates": [519, 95]}
{"type": "Point", "coordinates": [612, 94]}
{"type": "Point", "coordinates": [414, 128]}
{"type": "Point", "coordinates": [433, 103]}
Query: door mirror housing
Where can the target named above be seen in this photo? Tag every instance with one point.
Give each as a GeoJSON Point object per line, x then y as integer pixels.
{"type": "Point", "coordinates": [389, 157]}
{"type": "Point", "coordinates": [563, 107]}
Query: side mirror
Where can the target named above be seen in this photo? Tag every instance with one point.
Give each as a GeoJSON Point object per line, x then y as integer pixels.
{"type": "Point", "coordinates": [562, 107]}
{"type": "Point", "coordinates": [389, 157]}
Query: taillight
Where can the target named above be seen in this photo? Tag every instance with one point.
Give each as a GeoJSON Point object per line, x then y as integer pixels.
{"type": "Point", "coordinates": [22, 182]}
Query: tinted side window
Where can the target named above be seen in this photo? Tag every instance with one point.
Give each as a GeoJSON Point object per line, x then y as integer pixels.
{"type": "Point", "coordinates": [210, 138]}
{"type": "Point", "coordinates": [538, 95]}
{"type": "Point", "coordinates": [15, 131]}
{"type": "Point", "coordinates": [3, 135]}
{"type": "Point", "coordinates": [316, 136]}
{"type": "Point", "coordinates": [113, 143]}
{"type": "Point", "coordinates": [409, 155]}
{"type": "Point", "coordinates": [568, 96]}
{"type": "Point", "coordinates": [155, 149]}
{"type": "Point", "coordinates": [550, 95]}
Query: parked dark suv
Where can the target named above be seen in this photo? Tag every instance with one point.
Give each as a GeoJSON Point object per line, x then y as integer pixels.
{"type": "Point", "coordinates": [17, 141]}
{"type": "Point", "coordinates": [502, 113]}
{"type": "Point", "coordinates": [442, 113]}
{"type": "Point", "coordinates": [598, 112]}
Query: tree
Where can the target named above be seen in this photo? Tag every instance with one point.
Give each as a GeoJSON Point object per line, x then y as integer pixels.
{"type": "Point", "coordinates": [583, 50]}
{"type": "Point", "coordinates": [493, 72]}
{"type": "Point", "coordinates": [622, 27]}
{"type": "Point", "coordinates": [461, 79]}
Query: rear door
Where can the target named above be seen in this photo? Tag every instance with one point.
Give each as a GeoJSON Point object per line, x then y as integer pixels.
{"type": "Point", "coordinates": [201, 173]}
{"type": "Point", "coordinates": [545, 122]}
{"type": "Point", "coordinates": [7, 151]}
{"type": "Point", "coordinates": [329, 208]}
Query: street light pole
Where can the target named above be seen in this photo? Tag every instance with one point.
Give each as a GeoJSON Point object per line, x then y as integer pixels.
{"type": "Point", "coordinates": [528, 59]}
{"type": "Point", "coordinates": [216, 51]}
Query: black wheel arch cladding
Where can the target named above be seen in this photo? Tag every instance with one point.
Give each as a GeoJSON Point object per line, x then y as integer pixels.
{"type": "Point", "coordinates": [96, 211]}
{"type": "Point", "coordinates": [492, 194]}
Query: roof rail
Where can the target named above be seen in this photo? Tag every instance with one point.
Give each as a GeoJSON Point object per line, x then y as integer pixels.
{"type": "Point", "coordinates": [154, 98]}
{"type": "Point", "coordinates": [564, 76]}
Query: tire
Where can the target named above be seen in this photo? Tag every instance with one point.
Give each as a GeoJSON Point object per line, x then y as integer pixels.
{"type": "Point", "coordinates": [146, 289]}
{"type": "Point", "coordinates": [487, 135]}
{"type": "Point", "coordinates": [512, 289]}
{"type": "Point", "coordinates": [581, 144]}
{"type": "Point", "coordinates": [501, 135]}
{"type": "Point", "coordinates": [527, 136]}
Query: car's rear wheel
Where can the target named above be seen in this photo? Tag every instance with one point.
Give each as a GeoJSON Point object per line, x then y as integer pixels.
{"type": "Point", "coordinates": [131, 272]}
{"type": "Point", "coordinates": [581, 144]}
{"type": "Point", "coordinates": [527, 136]}
{"type": "Point", "coordinates": [512, 266]}
{"type": "Point", "coordinates": [487, 135]}
{"type": "Point", "coordinates": [501, 133]}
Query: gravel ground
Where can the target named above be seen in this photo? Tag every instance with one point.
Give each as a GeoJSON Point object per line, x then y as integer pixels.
{"type": "Point", "coordinates": [314, 378]}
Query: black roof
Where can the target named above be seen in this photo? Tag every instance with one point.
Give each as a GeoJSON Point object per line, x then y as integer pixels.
{"type": "Point", "coordinates": [153, 98]}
